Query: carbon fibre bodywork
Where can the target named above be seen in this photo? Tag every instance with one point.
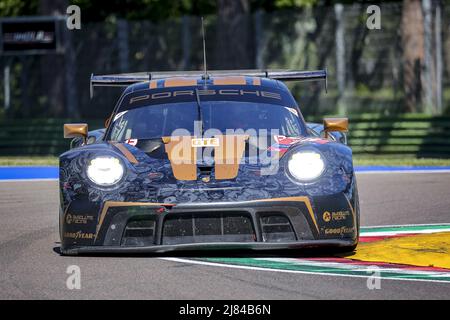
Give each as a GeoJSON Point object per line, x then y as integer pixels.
{"type": "Point", "coordinates": [150, 210]}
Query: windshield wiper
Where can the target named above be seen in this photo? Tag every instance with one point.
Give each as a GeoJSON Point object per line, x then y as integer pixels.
{"type": "Point", "coordinates": [199, 110]}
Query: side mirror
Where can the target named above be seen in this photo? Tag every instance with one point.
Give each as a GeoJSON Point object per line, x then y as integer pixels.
{"type": "Point", "coordinates": [335, 124]}
{"type": "Point", "coordinates": [74, 130]}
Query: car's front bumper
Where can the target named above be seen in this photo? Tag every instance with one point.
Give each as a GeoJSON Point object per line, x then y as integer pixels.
{"type": "Point", "coordinates": [266, 224]}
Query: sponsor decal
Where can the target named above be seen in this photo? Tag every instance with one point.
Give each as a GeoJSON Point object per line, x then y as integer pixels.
{"type": "Point", "coordinates": [335, 215]}
{"type": "Point", "coordinates": [79, 235]}
{"type": "Point", "coordinates": [131, 142]}
{"type": "Point", "coordinates": [283, 140]}
{"type": "Point", "coordinates": [317, 140]}
{"type": "Point", "coordinates": [341, 230]}
{"type": "Point", "coordinates": [326, 216]}
{"type": "Point", "coordinates": [205, 142]}
{"type": "Point", "coordinates": [78, 219]}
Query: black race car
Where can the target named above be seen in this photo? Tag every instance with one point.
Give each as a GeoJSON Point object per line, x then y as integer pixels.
{"type": "Point", "coordinates": [193, 161]}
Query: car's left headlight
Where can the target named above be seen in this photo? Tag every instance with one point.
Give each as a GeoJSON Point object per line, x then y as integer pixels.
{"type": "Point", "coordinates": [306, 165]}
{"type": "Point", "coordinates": [105, 171]}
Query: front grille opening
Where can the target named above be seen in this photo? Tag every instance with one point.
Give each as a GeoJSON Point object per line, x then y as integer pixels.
{"type": "Point", "coordinates": [139, 232]}
{"type": "Point", "coordinates": [208, 227]}
{"type": "Point", "coordinates": [205, 170]}
{"type": "Point", "coordinates": [276, 228]}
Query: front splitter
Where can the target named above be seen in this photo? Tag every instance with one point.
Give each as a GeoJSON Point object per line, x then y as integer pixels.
{"type": "Point", "coordinates": [211, 246]}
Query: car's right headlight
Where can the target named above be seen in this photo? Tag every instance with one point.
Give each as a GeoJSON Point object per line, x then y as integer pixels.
{"type": "Point", "coordinates": [306, 165]}
{"type": "Point", "coordinates": [105, 170]}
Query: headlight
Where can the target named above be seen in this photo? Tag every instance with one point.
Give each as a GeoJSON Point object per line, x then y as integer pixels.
{"type": "Point", "coordinates": [306, 165]}
{"type": "Point", "coordinates": [105, 171]}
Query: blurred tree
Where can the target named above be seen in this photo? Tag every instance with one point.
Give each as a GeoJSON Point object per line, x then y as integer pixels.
{"type": "Point", "coordinates": [413, 52]}
{"type": "Point", "coordinates": [154, 10]}
{"type": "Point", "coordinates": [233, 40]}
{"type": "Point", "coordinates": [12, 8]}
{"type": "Point", "coordinates": [53, 66]}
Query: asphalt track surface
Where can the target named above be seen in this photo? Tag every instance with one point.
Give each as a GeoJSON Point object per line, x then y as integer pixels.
{"type": "Point", "coordinates": [31, 268]}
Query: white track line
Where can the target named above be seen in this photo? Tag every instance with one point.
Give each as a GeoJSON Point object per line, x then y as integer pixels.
{"type": "Point", "coordinates": [213, 264]}
{"type": "Point", "coordinates": [393, 233]}
{"type": "Point", "coordinates": [403, 171]}
{"type": "Point", "coordinates": [408, 225]}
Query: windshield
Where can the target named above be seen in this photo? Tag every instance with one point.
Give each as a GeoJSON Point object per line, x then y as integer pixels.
{"type": "Point", "coordinates": [160, 120]}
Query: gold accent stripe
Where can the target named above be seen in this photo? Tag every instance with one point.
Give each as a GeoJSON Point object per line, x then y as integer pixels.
{"type": "Point", "coordinates": [182, 157]}
{"type": "Point", "coordinates": [126, 152]}
{"type": "Point", "coordinates": [180, 82]}
{"type": "Point", "coordinates": [153, 84]}
{"type": "Point", "coordinates": [303, 199]}
{"type": "Point", "coordinates": [228, 155]}
{"type": "Point", "coordinates": [256, 81]}
{"type": "Point", "coordinates": [229, 81]}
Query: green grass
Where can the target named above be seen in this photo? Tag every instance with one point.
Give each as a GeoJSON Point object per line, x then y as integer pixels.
{"type": "Point", "coordinates": [359, 160]}
{"type": "Point", "coordinates": [29, 161]}
{"type": "Point", "coordinates": [364, 160]}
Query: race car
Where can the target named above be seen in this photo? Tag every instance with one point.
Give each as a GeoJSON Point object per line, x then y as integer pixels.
{"type": "Point", "coordinates": [217, 160]}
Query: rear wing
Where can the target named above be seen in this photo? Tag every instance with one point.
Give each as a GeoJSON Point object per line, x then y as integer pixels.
{"type": "Point", "coordinates": [126, 79]}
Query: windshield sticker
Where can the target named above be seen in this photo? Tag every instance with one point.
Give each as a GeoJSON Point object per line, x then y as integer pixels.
{"type": "Point", "coordinates": [292, 110]}
{"type": "Point", "coordinates": [283, 140]}
{"type": "Point", "coordinates": [317, 140]}
{"type": "Point", "coordinates": [119, 115]}
{"type": "Point", "coordinates": [132, 142]}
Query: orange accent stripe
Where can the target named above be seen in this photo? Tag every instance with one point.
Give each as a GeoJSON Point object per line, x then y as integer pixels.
{"type": "Point", "coordinates": [256, 81]}
{"type": "Point", "coordinates": [228, 155]}
{"type": "Point", "coordinates": [303, 199]}
{"type": "Point", "coordinates": [153, 84]}
{"type": "Point", "coordinates": [183, 160]}
{"type": "Point", "coordinates": [126, 152]}
{"type": "Point", "coordinates": [229, 81]}
{"type": "Point", "coordinates": [180, 82]}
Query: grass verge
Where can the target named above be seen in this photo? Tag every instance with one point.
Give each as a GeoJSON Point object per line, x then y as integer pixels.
{"type": "Point", "coordinates": [28, 161]}
{"type": "Point", "coordinates": [398, 161]}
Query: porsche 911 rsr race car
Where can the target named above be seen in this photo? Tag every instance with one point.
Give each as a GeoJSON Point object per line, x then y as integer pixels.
{"type": "Point", "coordinates": [218, 161]}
